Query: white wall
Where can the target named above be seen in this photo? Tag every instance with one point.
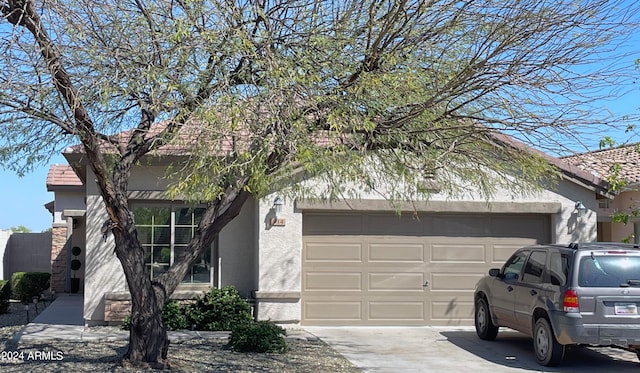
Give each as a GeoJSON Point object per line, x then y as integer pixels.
{"type": "Point", "coordinates": [236, 245]}
{"type": "Point", "coordinates": [66, 200]}
{"type": "Point", "coordinates": [103, 272]}
{"type": "Point", "coordinates": [280, 260]}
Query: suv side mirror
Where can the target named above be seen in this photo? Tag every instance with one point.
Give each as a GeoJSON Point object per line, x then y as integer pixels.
{"type": "Point", "coordinates": [493, 272]}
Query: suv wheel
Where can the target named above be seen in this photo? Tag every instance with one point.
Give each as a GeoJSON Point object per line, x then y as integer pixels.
{"type": "Point", "coordinates": [548, 351]}
{"type": "Point", "coordinates": [484, 325]}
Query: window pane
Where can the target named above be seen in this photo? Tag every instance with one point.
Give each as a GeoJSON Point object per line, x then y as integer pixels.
{"type": "Point", "coordinates": [183, 235]}
{"type": "Point", "coordinates": [144, 235]}
{"type": "Point", "coordinates": [558, 269]}
{"type": "Point", "coordinates": [152, 215]}
{"type": "Point", "coordinates": [159, 269]}
{"type": "Point", "coordinates": [535, 267]}
{"type": "Point", "coordinates": [200, 272]}
{"type": "Point", "coordinates": [143, 215]}
{"type": "Point", "coordinates": [609, 271]}
{"type": "Point", "coordinates": [147, 254]}
{"type": "Point", "coordinates": [162, 216]}
{"type": "Point", "coordinates": [197, 215]}
{"type": "Point", "coordinates": [162, 235]}
{"type": "Point", "coordinates": [184, 216]}
{"type": "Point", "coordinates": [161, 254]}
{"type": "Point", "coordinates": [514, 266]}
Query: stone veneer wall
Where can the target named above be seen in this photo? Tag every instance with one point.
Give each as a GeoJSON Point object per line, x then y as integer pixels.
{"type": "Point", "coordinates": [116, 310]}
{"type": "Point", "coordinates": [59, 248]}
{"type": "Point", "coordinates": [117, 306]}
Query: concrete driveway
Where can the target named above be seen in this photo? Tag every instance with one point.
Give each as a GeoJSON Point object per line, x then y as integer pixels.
{"type": "Point", "coordinates": [456, 349]}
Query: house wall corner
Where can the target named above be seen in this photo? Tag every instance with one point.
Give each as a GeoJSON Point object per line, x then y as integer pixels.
{"type": "Point", "coordinates": [279, 263]}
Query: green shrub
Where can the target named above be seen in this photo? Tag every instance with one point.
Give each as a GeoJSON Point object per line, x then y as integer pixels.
{"type": "Point", "coordinates": [5, 295]}
{"type": "Point", "coordinates": [126, 323]}
{"type": "Point", "coordinates": [26, 285]}
{"type": "Point", "coordinates": [258, 336]}
{"type": "Point", "coordinates": [173, 316]}
{"type": "Point", "coordinates": [218, 309]}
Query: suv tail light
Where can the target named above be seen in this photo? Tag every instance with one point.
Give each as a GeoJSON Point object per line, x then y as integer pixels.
{"type": "Point", "coordinates": [570, 301]}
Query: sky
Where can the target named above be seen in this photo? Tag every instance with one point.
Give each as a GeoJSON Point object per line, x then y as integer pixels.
{"type": "Point", "coordinates": [22, 199]}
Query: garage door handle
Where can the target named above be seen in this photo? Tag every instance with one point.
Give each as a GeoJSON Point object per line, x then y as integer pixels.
{"type": "Point", "coordinates": [426, 284]}
{"type": "Point", "coordinates": [533, 292]}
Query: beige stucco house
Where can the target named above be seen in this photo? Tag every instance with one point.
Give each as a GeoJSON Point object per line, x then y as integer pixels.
{"type": "Point", "coordinates": [625, 162]}
{"type": "Point", "coordinates": [354, 262]}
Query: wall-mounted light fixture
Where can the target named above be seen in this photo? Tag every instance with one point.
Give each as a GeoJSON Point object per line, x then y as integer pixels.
{"type": "Point", "coordinates": [580, 208]}
{"type": "Point", "coordinates": [277, 221]}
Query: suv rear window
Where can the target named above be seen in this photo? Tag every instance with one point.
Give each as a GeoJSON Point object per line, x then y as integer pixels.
{"type": "Point", "coordinates": [609, 271]}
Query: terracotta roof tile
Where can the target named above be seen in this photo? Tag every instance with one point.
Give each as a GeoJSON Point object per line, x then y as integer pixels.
{"type": "Point", "coordinates": [599, 162]}
{"type": "Point", "coordinates": [225, 143]}
{"type": "Point", "coordinates": [62, 176]}
{"type": "Point", "coordinates": [568, 168]}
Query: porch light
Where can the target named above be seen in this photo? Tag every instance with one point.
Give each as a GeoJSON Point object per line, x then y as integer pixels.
{"type": "Point", "coordinates": [277, 220]}
{"type": "Point", "coordinates": [580, 208]}
{"type": "Point", "coordinates": [277, 206]}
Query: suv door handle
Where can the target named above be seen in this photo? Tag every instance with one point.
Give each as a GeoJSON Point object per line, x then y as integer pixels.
{"type": "Point", "coordinates": [533, 292]}
{"type": "Point", "coordinates": [509, 288]}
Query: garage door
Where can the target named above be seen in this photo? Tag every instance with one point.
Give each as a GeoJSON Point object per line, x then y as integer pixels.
{"type": "Point", "coordinates": [385, 269]}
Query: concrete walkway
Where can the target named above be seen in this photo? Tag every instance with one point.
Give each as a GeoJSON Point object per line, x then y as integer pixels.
{"type": "Point", "coordinates": [63, 320]}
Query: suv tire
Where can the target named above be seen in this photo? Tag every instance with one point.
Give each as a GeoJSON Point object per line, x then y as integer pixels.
{"type": "Point", "coordinates": [484, 325]}
{"type": "Point", "coordinates": [548, 351]}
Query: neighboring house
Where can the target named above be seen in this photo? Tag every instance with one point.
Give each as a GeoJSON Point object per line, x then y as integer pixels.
{"type": "Point", "coordinates": [68, 210]}
{"type": "Point", "coordinates": [625, 162]}
{"type": "Point", "coordinates": [350, 262]}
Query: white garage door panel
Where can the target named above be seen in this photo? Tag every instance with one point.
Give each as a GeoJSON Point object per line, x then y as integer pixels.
{"type": "Point", "coordinates": [453, 311]}
{"type": "Point", "coordinates": [333, 281]}
{"type": "Point", "coordinates": [339, 311]}
{"type": "Point", "coordinates": [333, 252]}
{"type": "Point", "coordinates": [396, 252]}
{"type": "Point", "coordinates": [449, 281]}
{"type": "Point", "coordinates": [413, 311]}
{"type": "Point", "coordinates": [457, 253]}
{"type": "Point", "coordinates": [381, 269]}
{"type": "Point", "coordinates": [396, 281]}
{"type": "Point", "coordinates": [502, 252]}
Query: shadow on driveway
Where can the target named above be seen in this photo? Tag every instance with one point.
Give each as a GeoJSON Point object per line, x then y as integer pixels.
{"type": "Point", "coordinates": [515, 350]}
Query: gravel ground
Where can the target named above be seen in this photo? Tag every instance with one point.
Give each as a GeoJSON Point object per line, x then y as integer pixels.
{"type": "Point", "coordinates": [303, 355]}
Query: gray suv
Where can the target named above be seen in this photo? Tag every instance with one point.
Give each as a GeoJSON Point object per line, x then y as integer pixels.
{"type": "Point", "coordinates": [580, 294]}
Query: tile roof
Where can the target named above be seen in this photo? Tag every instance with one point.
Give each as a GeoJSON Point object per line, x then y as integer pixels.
{"type": "Point", "coordinates": [599, 162]}
{"type": "Point", "coordinates": [570, 169]}
{"type": "Point", "coordinates": [181, 144]}
{"type": "Point", "coordinates": [62, 176]}
{"type": "Point", "coordinates": [226, 143]}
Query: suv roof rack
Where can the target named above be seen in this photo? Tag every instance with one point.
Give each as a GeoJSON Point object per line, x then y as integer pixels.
{"type": "Point", "coordinates": [595, 245]}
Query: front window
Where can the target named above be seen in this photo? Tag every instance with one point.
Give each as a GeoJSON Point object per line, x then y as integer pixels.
{"type": "Point", "coordinates": [164, 233]}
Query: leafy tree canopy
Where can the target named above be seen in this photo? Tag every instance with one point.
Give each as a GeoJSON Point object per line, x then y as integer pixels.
{"type": "Point", "coordinates": [271, 83]}
{"type": "Point", "coordinates": [20, 229]}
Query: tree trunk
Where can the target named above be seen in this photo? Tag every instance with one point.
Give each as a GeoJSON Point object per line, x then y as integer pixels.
{"type": "Point", "coordinates": [148, 340]}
